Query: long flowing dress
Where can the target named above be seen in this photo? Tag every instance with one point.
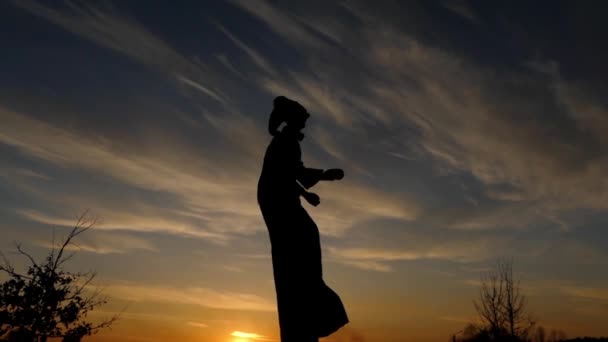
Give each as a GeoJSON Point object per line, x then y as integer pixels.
{"type": "Point", "coordinates": [307, 307]}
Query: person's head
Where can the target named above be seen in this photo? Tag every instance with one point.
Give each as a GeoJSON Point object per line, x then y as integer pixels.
{"type": "Point", "coordinates": [288, 111]}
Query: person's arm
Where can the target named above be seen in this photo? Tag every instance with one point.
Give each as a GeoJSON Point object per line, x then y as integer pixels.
{"type": "Point", "coordinates": [308, 177]}
{"type": "Point", "coordinates": [300, 189]}
{"type": "Point", "coordinates": [332, 174]}
{"type": "Point", "coordinates": [310, 197]}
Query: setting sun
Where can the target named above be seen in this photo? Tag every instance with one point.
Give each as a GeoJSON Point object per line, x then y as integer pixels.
{"type": "Point", "coordinates": [240, 336]}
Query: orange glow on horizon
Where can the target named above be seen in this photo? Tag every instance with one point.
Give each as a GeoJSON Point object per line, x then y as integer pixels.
{"type": "Point", "coordinates": [246, 337]}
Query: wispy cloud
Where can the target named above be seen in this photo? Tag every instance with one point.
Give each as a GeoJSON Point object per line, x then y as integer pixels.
{"type": "Point", "coordinates": [197, 86]}
{"type": "Point", "coordinates": [595, 293]}
{"type": "Point", "coordinates": [368, 265]}
{"type": "Point", "coordinates": [184, 318]}
{"type": "Point", "coordinates": [197, 324]}
{"type": "Point", "coordinates": [62, 147]}
{"type": "Point", "coordinates": [211, 194]}
{"type": "Point", "coordinates": [120, 221]}
{"type": "Point", "coordinates": [471, 124]}
{"type": "Point", "coordinates": [124, 35]}
{"type": "Point", "coordinates": [32, 174]}
{"type": "Point", "coordinates": [470, 118]}
{"type": "Point", "coordinates": [201, 296]}
{"type": "Point", "coordinates": [348, 203]}
{"type": "Point", "coordinates": [255, 56]}
{"type": "Point", "coordinates": [419, 248]}
{"type": "Point", "coordinates": [106, 244]}
{"type": "Point", "coordinates": [281, 22]}
{"type": "Point", "coordinates": [318, 97]}
{"type": "Point", "coordinates": [461, 8]}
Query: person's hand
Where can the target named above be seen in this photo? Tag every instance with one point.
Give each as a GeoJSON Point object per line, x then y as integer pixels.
{"type": "Point", "coordinates": [333, 174]}
{"type": "Point", "coordinates": [312, 198]}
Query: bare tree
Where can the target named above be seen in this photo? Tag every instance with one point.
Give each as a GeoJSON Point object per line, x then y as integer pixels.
{"type": "Point", "coordinates": [502, 306]}
{"type": "Point", "coordinates": [514, 306]}
{"type": "Point", "coordinates": [556, 335]}
{"type": "Point", "coordinates": [47, 301]}
{"type": "Point", "coordinates": [491, 301]}
{"type": "Point", "coordinates": [540, 335]}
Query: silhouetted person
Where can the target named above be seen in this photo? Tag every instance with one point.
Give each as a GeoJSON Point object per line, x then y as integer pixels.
{"type": "Point", "coordinates": [308, 308]}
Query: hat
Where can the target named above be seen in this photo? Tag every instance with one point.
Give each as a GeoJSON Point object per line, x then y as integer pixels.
{"type": "Point", "coordinates": [283, 110]}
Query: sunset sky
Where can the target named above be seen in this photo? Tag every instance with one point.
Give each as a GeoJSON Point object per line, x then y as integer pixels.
{"type": "Point", "coordinates": [469, 132]}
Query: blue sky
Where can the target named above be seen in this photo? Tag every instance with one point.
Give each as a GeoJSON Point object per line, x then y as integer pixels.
{"type": "Point", "coordinates": [469, 131]}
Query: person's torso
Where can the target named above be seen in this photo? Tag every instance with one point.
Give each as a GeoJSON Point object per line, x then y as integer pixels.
{"type": "Point", "coordinates": [277, 181]}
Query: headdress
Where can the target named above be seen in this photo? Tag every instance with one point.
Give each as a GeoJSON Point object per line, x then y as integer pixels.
{"type": "Point", "coordinates": [283, 110]}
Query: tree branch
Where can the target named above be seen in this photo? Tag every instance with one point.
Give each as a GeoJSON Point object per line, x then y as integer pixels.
{"type": "Point", "coordinates": [18, 245]}
{"type": "Point", "coordinates": [85, 284]}
{"type": "Point", "coordinates": [83, 224]}
{"type": "Point", "coordinates": [9, 269]}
